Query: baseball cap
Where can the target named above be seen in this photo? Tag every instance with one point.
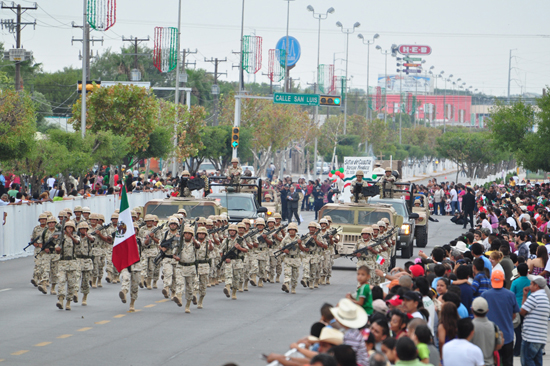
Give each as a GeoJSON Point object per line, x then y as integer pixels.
{"type": "Point", "coordinates": [380, 306]}
{"type": "Point", "coordinates": [412, 295]}
{"type": "Point", "coordinates": [416, 270]}
{"type": "Point", "coordinates": [479, 305]}
{"type": "Point", "coordinates": [539, 280]}
{"type": "Point", "coordinates": [497, 279]}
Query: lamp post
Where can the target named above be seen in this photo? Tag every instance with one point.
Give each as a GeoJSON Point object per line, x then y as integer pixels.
{"type": "Point", "coordinates": [385, 53]}
{"type": "Point", "coordinates": [286, 43]}
{"type": "Point", "coordinates": [347, 31]}
{"type": "Point", "coordinates": [319, 16]}
{"type": "Point", "coordinates": [368, 43]}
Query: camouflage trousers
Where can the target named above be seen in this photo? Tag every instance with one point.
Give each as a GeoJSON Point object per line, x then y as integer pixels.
{"type": "Point", "coordinates": [311, 268]}
{"type": "Point", "coordinates": [99, 266]}
{"type": "Point", "coordinates": [203, 274]}
{"type": "Point", "coordinates": [326, 263]}
{"type": "Point", "coordinates": [86, 267]}
{"type": "Point", "coordinates": [262, 258]}
{"type": "Point", "coordinates": [149, 268]}
{"type": "Point", "coordinates": [275, 266]}
{"type": "Point", "coordinates": [67, 278]}
{"type": "Point", "coordinates": [292, 271]}
{"type": "Point", "coordinates": [169, 273]}
{"type": "Point", "coordinates": [185, 277]}
{"type": "Point", "coordinates": [37, 270]}
{"type": "Point", "coordinates": [111, 270]}
{"type": "Point", "coordinates": [129, 281]}
{"type": "Point", "coordinates": [233, 273]}
{"type": "Point", "coordinates": [44, 264]}
{"type": "Point", "coordinates": [250, 266]}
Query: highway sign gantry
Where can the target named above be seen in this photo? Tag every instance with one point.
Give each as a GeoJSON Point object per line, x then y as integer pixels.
{"type": "Point", "coordinates": [298, 99]}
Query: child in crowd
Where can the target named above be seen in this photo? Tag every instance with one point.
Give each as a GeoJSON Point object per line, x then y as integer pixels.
{"type": "Point", "coordinates": [422, 336]}
{"type": "Point", "coordinates": [363, 296]}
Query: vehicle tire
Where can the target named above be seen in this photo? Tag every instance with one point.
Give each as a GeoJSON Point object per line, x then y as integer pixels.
{"type": "Point", "coordinates": [421, 236]}
{"type": "Point", "coordinates": [406, 251]}
{"type": "Point", "coordinates": [393, 262]}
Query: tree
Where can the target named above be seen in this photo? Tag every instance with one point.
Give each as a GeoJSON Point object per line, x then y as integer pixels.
{"type": "Point", "coordinates": [17, 124]}
{"type": "Point", "coordinates": [58, 88]}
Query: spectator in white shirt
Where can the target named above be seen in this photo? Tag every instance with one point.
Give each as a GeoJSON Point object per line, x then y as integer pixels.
{"type": "Point", "coordinates": [460, 352]}
{"type": "Point", "coordinates": [454, 200]}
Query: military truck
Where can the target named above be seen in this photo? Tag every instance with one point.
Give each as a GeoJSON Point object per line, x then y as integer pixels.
{"type": "Point", "coordinates": [421, 224]}
{"type": "Point", "coordinates": [195, 207]}
{"type": "Point", "coordinates": [353, 217]}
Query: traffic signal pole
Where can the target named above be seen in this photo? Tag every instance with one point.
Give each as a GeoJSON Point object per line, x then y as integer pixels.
{"type": "Point", "coordinates": [237, 121]}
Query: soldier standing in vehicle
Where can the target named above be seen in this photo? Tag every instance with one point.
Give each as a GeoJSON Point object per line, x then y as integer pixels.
{"type": "Point", "coordinates": [357, 187]}
{"type": "Point", "coordinates": [386, 184]}
{"type": "Point", "coordinates": [234, 172]}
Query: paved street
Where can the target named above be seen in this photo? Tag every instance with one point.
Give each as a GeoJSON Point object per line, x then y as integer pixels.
{"type": "Point", "coordinates": [262, 320]}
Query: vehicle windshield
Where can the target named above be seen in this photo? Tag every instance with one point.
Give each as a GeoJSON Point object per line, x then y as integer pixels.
{"type": "Point", "coordinates": [371, 217]}
{"type": "Point", "coordinates": [340, 216]}
{"type": "Point", "coordinates": [235, 203]}
{"type": "Point", "coordinates": [163, 211]}
{"type": "Point", "coordinates": [207, 166]}
{"type": "Point", "coordinates": [399, 206]}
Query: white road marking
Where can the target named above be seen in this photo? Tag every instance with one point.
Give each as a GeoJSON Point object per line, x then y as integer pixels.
{"type": "Point", "coordinates": [5, 289]}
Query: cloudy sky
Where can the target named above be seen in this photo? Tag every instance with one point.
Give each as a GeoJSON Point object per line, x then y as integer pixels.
{"type": "Point", "coordinates": [471, 39]}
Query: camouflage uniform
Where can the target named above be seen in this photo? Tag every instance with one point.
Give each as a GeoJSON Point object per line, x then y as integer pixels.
{"type": "Point", "coordinates": [292, 263]}
{"type": "Point", "coordinates": [203, 267]}
{"type": "Point", "coordinates": [129, 280]}
{"type": "Point", "coordinates": [262, 255]}
{"type": "Point", "coordinates": [112, 272]}
{"type": "Point", "coordinates": [235, 174]}
{"type": "Point", "coordinates": [233, 270]}
{"type": "Point", "coordinates": [387, 183]}
{"type": "Point", "coordinates": [169, 263]}
{"type": "Point", "coordinates": [84, 255]}
{"type": "Point", "coordinates": [149, 270]}
{"type": "Point", "coordinates": [98, 253]}
{"type": "Point", "coordinates": [360, 197]}
{"type": "Point", "coordinates": [367, 260]}
{"type": "Point", "coordinates": [279, 260]}
{"type": "Point", "coordinates": [48, 261]}
{"type": "Point", "coordinates": [185, 270]}
{"type": "Point", "coordinates": [250, 264]}
{"type": "Point", "coordinates": [272, 262]}
{"type": "Point", "coordinates": [68, 268]}
{"type": "Point", "coordinates": [311, 260]}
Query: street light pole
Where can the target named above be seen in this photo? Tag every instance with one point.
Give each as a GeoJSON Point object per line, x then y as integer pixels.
{"type": "Point", "coordinates": [286, 43]}
{"type": "Point", "coordinates": [237, 121]}
{"type": "Point", "coordinates": [319, 16]}
{"type": "Point", "coordinates": [385, 53]}
{"type": "Point", "coordinates": [368, 43]}
{"type": "Point", "coordinates": [177, 90]}
{"type": "Point", "coordinates": [347, 31]}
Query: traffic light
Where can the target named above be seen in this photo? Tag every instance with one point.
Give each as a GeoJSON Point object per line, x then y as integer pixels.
{"type": "Point", "coordinates": [235, 137]}
{"type": "Point", "coordinates": [89, 86]}
{"type": "Point", "coordinates": [330, 100]}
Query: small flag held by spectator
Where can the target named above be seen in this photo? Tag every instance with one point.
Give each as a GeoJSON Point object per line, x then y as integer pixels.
{"type": "Point", "coordinates": [380, 260]}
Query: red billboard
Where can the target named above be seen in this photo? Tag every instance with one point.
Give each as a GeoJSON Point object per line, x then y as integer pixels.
{"type": "Point", "coordinates": [405, 49]}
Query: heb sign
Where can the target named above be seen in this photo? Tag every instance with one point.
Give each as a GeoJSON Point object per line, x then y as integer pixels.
{"type": "Point", "coordinates": [414, 50]}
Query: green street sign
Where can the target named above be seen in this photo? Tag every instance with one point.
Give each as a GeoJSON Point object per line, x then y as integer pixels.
{"type": "Point", "coordinates": [300, 99]}
{"type": "Point", "coordinates": [412, 58]}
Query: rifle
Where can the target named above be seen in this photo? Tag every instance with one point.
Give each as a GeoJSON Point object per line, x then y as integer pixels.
{"type": "Point", "coordinates": [250, 233]}
{"type": "Point", "coordinates": [230, 254]}
{"type": "Point", "coordinates": [281, 228]}
{"type": "Point", "coordinates": [377, 241]}
{"type": "Point", "coordinates": [50, 244]}
{"type": "Point", "coordinates": [261, 238]}
{"type": "Point", "coordinates": [155, 229]}
{"type": "Point", "coordinates": [332, 232]}
{"type": "Point", "coordinates": [102, 227]}
{"type": "Point", "coordinates": [309, 242]}
{"type": "Point", "coordinates": [162, 254]}
{"type": "Point", "coordinates": [357, 188]}
{"type": "Point", "coordinates": [32, 242]}
{"type": "Point", "coordinates": [289, 246]}
{"type": "Point", "coordinates": [217, 229]}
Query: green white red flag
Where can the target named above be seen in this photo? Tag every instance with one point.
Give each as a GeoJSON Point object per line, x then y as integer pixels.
{"type": "Point", "coordinates": [125, 248]}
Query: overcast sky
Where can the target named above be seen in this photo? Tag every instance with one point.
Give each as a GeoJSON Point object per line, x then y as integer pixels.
{"type": "Point", "coordinates": [471, 39]}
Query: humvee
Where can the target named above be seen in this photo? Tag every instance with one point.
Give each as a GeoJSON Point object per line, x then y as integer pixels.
{"type": "Point", "coordinates": [195, 207]}
{"type": "Point", "coordinates": [353, 217]}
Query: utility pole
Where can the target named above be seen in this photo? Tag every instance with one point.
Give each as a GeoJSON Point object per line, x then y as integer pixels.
{"type": "Point", "coordinates": [136, 41]}
{"type": "Point", "coordinates": [184, 65]}
{"type": "Point", "coordinates": [509, 74]}
{"type": "Point", "coordinates": [18, 10]}
{"type": "Point", "coordinates": [87, 54]}
{"type": "Point", "coordinates": [215, 88]}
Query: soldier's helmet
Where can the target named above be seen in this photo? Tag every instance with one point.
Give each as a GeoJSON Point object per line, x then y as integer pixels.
{"type": "Point", "coordinates": [202, 230]}
{"type": "Point", "coordinates": [232, 227]}
{"type": "Point", "coordinates": [234, 160]}
{"type": "Point", "coordinates": [292, 226]}
{"type": "Point", "coordinates": [359, 173]}
{"type": "Point", "coordinates": [367, 230]}
{"type": "Point", "coordinates": [82, 225]}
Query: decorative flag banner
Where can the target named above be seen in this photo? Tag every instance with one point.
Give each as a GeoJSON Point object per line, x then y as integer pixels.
{"type": "Point", "coordinates": [165, 54]}
{"type": "Point", "coordinates": [252, 54]}
{"type": "Point", "coordinates": [276, 71]}
{"type": "Point", "coordinates": [125, 248]}
{"type": "Point", "coordinates": [101, 14]}
{"type": "Point", "coordinates": [326, 79]}
{"type": "Point", "coordinates": [380, 260]}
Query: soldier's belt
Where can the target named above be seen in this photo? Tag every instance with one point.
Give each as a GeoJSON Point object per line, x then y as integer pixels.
{"type": "Point", "coordinates": [168, 256]}
{"type": "Point", "coordinates": [202, 262]}
{"type": "Point", "coordinates": [292, 256]}
{"type": "Point", "coordinates": [84, 256]}
{"type": "Point", "coordinates": [187, 264]}
{"type": "Point", "coordinates": [67, 258]}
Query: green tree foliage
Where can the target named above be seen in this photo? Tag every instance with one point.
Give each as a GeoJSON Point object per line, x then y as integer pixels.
{"type": "Point", "coordinates": [17, 124]}
{"type": "Point", "coordinates": [59, 89]}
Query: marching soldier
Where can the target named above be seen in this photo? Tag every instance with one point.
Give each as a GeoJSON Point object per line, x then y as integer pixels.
{"type": "Point", "coordinates": [274, 246]}
{"type": "Point", "coordinates": [325, 256]}
{"type": "Point", "coordinates": [150, 241]}
{"type": "Point", "coordinates": [331, 250]}
{"type": "Point", "coordinates": [292, 258]}
{"type": "Point", "coordinates": [36, 233]}
{"type": "Point", "coordinates": [68, 267]}
{"type": "Point", "coordinates": [139, 220]}
{"type": "Point", "coordinates": [168, 262]}
{"type": "Point", "coordinates": [366, 259]}
{"type": "Point", "coordinates": [47, 256]}
{"type": "Point", "coordinates": [112, 273]}
{"type": "Point", "coordinates": [84, 257]}
{"type": "Point", "coordinates": [86, 212]}
{"type": "Point", "coordinates": [77, 214]}
{"type": "Point", "coordinates": [263, 242]}
{"type": "Point", "coordinates": [185, 268]}
{"type": "Point", "coordinates": [250, 264]}
{"type": "Point", "coordinates": [381, 258]}
{"type": "Point", "coordinates": [279, 238]}
{"type": "Point", "coordinates": [391, 240]}
{"type": "Point", "coordinates": [386, 184]}
{"type": "Point", "coordinates": [130, 277]}
{"type": "Point", "coordinates": [214, 239]}
{"type": "Point", "coordinates": [98, 249]}
{"type": "Point", "coordinates": [357, 187]}
{"type": "Point", "coordinates": [202, 254]}
{"type": "Point", "coordinates": [311, 256]}
{"type": "Point", "coordinates": [234, 266]}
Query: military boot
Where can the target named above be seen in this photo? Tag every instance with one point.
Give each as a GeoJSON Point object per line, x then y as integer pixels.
{"type": "Point", "coordinates": [253, 280]}
{"type": "Point", "coordinates": [226, 290]}
{"type": "Point", "coordinates": [310, 282]}
{"type": "Point", "coordinates": [246, 286]}
{"type": "Point", "coordinates": [154, 283]}
{"type": "Point", "coordinates": [272, 279]}
{"type": "Point", "coordinates": [99, 282]}
{"type": "Point", "coordinates": [260, 282]}
{"type": "Point", "coordinates": [316, 284]}
{"type": "Point", "coordinates": [199, 305]}
{"type": "Point", "coordinates": [60, 302]}
{"type": "Point", "coordinates": [122, 295]}
{"type": "Point", "coordinates": [285, 288]}
{"type": "Point", "coordinates": [132, 309]}
{"type": "Point", "coordinates": [52, 290]}
{"type": "Point", "coordinates": [241, 289]}
{"type": "Point", "coordinates": [84, 300]}
{"type": "Point", "coordinates": [194, 299]}
{"type": "Point", "coordinates": [277, 279]}
{"type": "Point", "coordinates": [234, 294]}
{"type": "Point", "coordinates": [43, 288]}
{"type": "Point", "coordinates": [141, 282]}
{"type": "Point", "coordinates": [33, 281]}
{"type": "Point", "coordinates": [165, 292]}
{"type": "Point", "coordinates": [68, 304]}
{"type": "Point", "coordinates": [94, 280]}
{"type": "Point", "coordinates": [328, 281]}
{"type": "Point", "coordinates": [188, 306]}
{"type": "Point", "coordinates": [75, 297]}
{"type": "Point", "coordinates": [293, 290]}
{"type": "Point", "coordinates": [108, 278]}
{"type": "Point", "coordinates": [177, 300]}
{"type": "Point", "coordinates": [303, 282]}
{"type": "Point", "coordinates": [148, 283]}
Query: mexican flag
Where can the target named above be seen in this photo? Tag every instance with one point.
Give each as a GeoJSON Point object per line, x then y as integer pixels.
{"type": "Point", "coordinates": [379, 259]}
{"type": "Point", "coordinates": [125, 248]}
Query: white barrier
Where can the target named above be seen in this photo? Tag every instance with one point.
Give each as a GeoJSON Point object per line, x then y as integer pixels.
{"type": "Point", "coordinates": [21, 219]}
